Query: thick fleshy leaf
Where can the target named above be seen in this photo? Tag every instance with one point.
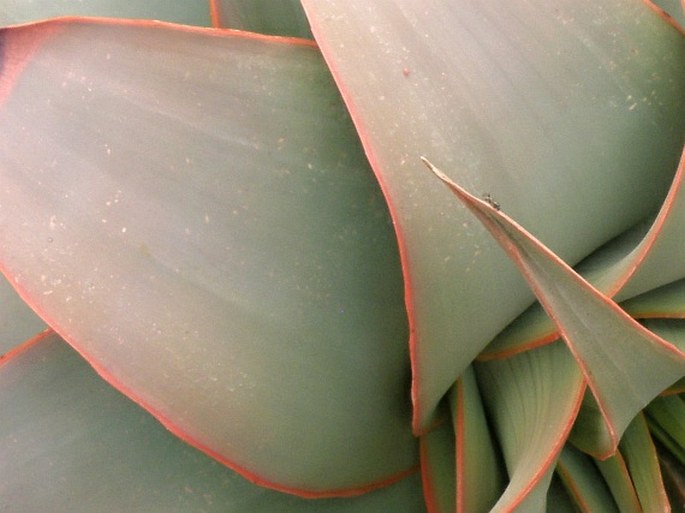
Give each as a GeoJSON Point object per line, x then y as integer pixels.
{"type": "Point", "coordinates": [193, 12]}
{"type": "Point", "coordinates": [572, 107]}
{"type": "Point", "coordinates": [279, 17]}
{"type": "Point", "coordinates": [616, 476]}
{"type": "Point", "coordinates": [584, 482]}
{"type": "Point", "coordinates": [637, 261]}
{"type": "Point", "coordinates": [69, 443]}
{"type": "Point", "coordinates": [532, 399]}
{"type": "Point", "coordinates": [619, 369]}
{"type": "Point", "coordinates": [638, 449]}
{"type": "Point", "coordinates": [461, 469]}
{"type": "Point", "coordinates": [18, 323]}
{"type": "Point", "coordinates": [479, 477]}
{"type": "Point", "coordinates": [197, 219]}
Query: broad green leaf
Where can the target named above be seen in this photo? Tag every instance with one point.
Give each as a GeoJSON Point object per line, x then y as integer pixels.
{"type": "Point", "coordinates": [17, 321]}
{"type": "Point", "coordinates": [571, 107]}
{"type": "Point", "coordinates": [617, 478]}
{"type": "Point", "coordinates": [638, 449]}
{"type": "Point", "coordinates": [532, 399]}
{"type": "Point", "coordinates": [197, 218]}
{"type": "Point", "coordinates": [276, 17]}
{"type": "Point", "coordinates": [69, 443]}
{"type": "Point", "coordinates": [584, 482]}
{"type": "Point", "coordinates": [190, 12]}
{"type": "Point", "coordinates": [479, 477]}
{"type": "Point", "coordinates": [614, 366]}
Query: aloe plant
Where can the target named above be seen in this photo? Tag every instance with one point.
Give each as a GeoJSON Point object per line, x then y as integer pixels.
{"type": "Point", "coordinates": [342, 257]}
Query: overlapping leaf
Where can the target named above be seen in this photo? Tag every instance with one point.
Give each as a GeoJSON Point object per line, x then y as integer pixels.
{"type": "Point", "coordinates": [69, 443]}
{"type": "Point", "coordinates": [612, 349]}
{"type": "Point", "coordinates": [198, 220]}
{"type": "Point", "coordinates": [572, 108]}
{"type": "Point", "coordinates": [533, 399]}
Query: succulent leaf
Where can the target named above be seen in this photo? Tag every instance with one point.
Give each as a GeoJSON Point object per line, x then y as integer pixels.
{"type": "Point", "coordinates": [211, 244]}
{"type": "Point", "coordinates": [548, 106]}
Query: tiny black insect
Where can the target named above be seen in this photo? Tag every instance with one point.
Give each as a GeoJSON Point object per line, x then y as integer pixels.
{"type": "Point", "coordinates": [491, 201]}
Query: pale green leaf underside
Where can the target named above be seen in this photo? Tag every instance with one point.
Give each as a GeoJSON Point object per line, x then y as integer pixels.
{"type": "Point", "coordinates": [532, 399]}
{"type": "Point", "coordinates": [197, 218]}
{"type": "Point", "coordinates": [618, 356]}
{"type": "Point", "coordinates": [548, 106]}
{"type": "Point", "coordinates": [69, 443]}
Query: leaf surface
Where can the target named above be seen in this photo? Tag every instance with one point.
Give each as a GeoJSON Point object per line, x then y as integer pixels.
{"type": "Point", "coordinates": [614, 366]}
{"type": "Point", "coordinates": [194, 12]}
{"type": "Point", "coordinates": [584, 482]}
{"type": "Point", "coordinates": [18, 323]}
{"type": "Point", "coordinates": [532, 399]}
{"type": "Point", "coordinates": [550, 107]}
{"type": "Point", "coordinates": [281, 18]}
{"type": "Point", "coordinates": [69, 443]}
{"type": "Point", "coordinates": [198, 220]}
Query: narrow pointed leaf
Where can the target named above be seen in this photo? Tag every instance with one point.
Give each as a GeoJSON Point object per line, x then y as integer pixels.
{"type": "Point", "coordinates": [638, 449]}
{"type": "Point", "coordinates": [532, 399]}
{"type": "Point", "coordinates": [198, 220]}
{"type": "Point", "coordinates": [584, 482]}
{"type": "Point", "coordinates": [70, 443]}
{"type": "Point", "coordinates": [637, 261]}
{"type": "Point", "coordinates": [549, 106]}
{"type": "Point", "coordinates": [615, 366]}
{"type": "Point", "coordinates": [479, 476]}
{"type": "Point", "coordinates": [616, 475]}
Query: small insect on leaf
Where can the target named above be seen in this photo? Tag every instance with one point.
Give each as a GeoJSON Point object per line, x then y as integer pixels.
{"type": "Point", "coordinates": [491, 201]}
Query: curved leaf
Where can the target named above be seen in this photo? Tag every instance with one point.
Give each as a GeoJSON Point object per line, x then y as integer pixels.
{"type": "Point", "coordinates": [479, 479]}
{"type": "Point", "coordinates": [635, 262]}
{"type": "Point", "coordinates": [198, 220]}
{"type": "Point", "coordinates": [638, 449]}
{"type": "Point", "coordinates": [532, 399]}
{"type": "Point", "coordinates": [69, 443]}
{"type": "Point", "coordinates": [572, 107]}
{"type": "Point", "coordinates": [616, 475]}
{"type": "Point", "coordinates": [584, 482]}
{"type": "Point", "coordinates": [614, 366]}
